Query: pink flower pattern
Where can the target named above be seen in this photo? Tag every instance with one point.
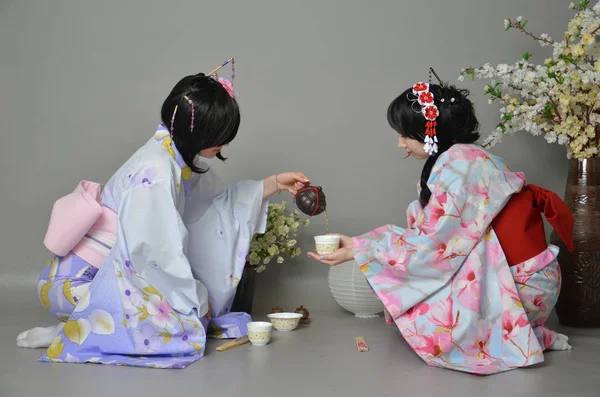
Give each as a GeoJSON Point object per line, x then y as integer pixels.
{"type": "Point", "coordinates": [161, 312]}
{"type": "Point", "coordinates": [408, 318]}
{"type": "Point", "coordinates": [441, 314]}
{"type": "Point", "coordinates": [434, 345]}
{"type": "Point", "coordinates": [483, 334]}
{"type": "Point", "coordinates": [468, 284]}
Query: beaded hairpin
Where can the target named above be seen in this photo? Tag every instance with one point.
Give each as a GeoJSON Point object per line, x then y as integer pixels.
{"type": "Point", "coordinates": [431, 71]}
{"type": "Point", "coordinates": [232, 60]}
{"type": "Point", "coordinates": [192, 106]}
{"type": "Point", "coordinates": [227, 84]}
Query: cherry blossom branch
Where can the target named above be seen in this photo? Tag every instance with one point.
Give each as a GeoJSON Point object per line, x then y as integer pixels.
{"type": "Point", "coordinates": [521, 26]}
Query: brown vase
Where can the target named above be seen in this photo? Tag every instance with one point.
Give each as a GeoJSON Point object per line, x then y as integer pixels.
{"type": "Point", "coordinates": [579, 301]}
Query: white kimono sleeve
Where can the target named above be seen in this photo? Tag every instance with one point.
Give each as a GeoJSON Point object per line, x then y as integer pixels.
{"type": "Point", "coordinates": [221, 226]}
{"type": "Point", "coordinates": [153, 238]}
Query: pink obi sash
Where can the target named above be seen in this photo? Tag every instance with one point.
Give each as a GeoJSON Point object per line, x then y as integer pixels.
{"type": "Point", "coordinates": [79, 224]}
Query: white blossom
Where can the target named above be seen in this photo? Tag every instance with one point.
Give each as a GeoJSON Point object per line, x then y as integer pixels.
{"type": "Point", "coordinates": [502, 69]}
{"type": "Point", "coordinates": [550, 137]}
{"type": "Point", "coordinates": [545, 38]}
{"type": "Point", "coordinates": [552, 98]}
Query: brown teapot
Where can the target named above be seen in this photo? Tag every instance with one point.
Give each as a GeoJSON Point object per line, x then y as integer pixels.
{"type": "Point", "coordinates": [302, 310]}
{"type": "Point", "coordinates": [310, 200]}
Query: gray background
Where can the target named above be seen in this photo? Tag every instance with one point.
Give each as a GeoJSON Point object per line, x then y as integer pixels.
{"type": "Point", "coordinates": [81, 84]}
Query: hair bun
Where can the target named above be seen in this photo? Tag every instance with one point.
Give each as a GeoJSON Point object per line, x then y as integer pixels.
{"type": "Point", "coordinates": [199, 81]}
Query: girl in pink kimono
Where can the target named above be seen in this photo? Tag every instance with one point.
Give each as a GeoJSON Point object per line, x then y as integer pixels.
{"type": "Point", "coordinates": [445, 280]}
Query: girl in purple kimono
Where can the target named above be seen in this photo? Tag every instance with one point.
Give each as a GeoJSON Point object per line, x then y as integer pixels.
{"type": "Point", "coordinates": [445, 280]}
{"type": "Point", "coordinates": [123, 283]}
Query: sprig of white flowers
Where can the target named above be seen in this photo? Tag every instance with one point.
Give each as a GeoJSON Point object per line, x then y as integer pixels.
{"type": "Point", "coordinates": [279, 238]}
{"type": "Point", "coordinates": [557, 99]}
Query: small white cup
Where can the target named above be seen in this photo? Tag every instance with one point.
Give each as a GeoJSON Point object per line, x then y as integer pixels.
{"type": "Point", "coordinates": [327, 244]}
{"type": "Point", "coordinates": [259, 332]}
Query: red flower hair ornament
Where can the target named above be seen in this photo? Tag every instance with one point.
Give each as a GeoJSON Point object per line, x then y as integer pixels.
{"type": "Point", "coordinates": [431, 113]}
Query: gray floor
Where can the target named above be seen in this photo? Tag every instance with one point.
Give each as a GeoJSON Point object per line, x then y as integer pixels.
{"type": "Point", "coordinates": [316, 360]}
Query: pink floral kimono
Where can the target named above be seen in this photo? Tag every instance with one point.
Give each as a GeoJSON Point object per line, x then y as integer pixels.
{"type": "Point", "coordinates": [445, 281]}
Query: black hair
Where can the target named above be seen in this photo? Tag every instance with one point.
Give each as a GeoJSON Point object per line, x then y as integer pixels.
{"type": "Point", "coordinates": [216, 117]}
{"type": "Point", "coordinates": [456, 123]}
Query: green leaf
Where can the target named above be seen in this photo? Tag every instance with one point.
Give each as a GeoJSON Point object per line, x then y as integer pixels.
{"type": "Point", "coordinates": [527, 56]}
{"type": "Point", "coordinates": [548, 111]}
{"type": "Point", "coordinates": [569, 59]}
{"type": "Point", "coordinates": [582, 5]}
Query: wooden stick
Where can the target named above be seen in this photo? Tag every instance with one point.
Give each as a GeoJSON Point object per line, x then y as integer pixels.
{"type": "Point", "coordinates": [219, 67]}
{"type": "Point", "coordinates": [361, 344]}
{"type": "Point", "coordinates": [234, 343]}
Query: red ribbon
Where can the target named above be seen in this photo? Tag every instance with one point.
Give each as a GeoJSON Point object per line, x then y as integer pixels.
{"type": "Point", "coordinates": [520, 227]}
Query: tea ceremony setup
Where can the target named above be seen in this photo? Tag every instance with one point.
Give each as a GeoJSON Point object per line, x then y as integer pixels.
{"type": "Point", "coordinates": [318, 198]}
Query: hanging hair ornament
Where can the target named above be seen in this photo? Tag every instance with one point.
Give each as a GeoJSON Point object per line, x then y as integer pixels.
{"type": "Point", "coordinates": [431, 113]}
{"type": "Point", "coordinates": [431, 71]}
{"type": "Point", "coordinates": [227, 84]}
{"type": "Point", "coordinates": [192, 105]}
{"type": "Point", "coordinates": [173, 120]}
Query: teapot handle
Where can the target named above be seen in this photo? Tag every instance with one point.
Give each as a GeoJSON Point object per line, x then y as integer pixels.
{"type": "Point", "coordinates": [307, 186]}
